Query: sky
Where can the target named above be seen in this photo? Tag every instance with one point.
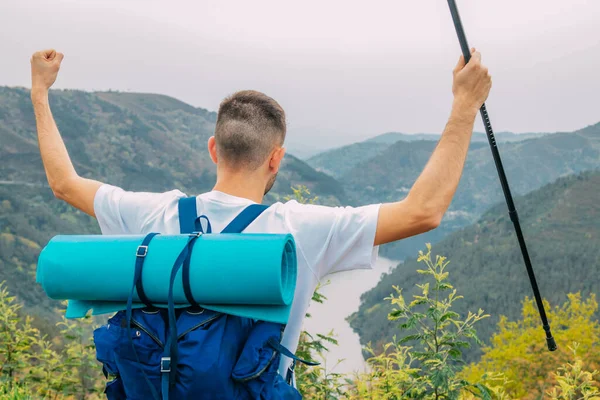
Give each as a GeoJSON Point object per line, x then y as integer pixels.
{"type": "Point", "coordinates": [342, 70]}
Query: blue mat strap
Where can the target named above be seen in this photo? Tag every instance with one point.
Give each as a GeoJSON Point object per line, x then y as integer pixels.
{"type": "Point", "coordinates": [198, 224]}
{"type": "Point", "coordinates": [284, 351]}
{"type": "Point", "coordinates": [189, 222]}
{"type": "Point", "coordinates": [141, 253]}
{"type": "Point", "coordinates": [187, 214]}
{"type": "Point", "coordinates": [171, 353]}
{"type": "Point", "coordinates": [245, 218]}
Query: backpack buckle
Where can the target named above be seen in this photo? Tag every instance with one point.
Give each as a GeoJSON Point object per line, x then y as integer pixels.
{"type": "Point", "coordinates": [165, 364]}
{"type": "Point", "coordinates": [141, 251]}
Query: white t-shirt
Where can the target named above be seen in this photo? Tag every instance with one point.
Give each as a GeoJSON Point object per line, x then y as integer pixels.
{"type": "Point", "coordinates": [328, 239]}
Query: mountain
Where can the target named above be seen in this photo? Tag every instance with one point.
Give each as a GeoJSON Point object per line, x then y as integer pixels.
{"type": "Point", "coordinates": [528, 164]}
{"type": "Point", "coordinates": [338, 161]}
{"type": "Point", "coordinates": [304, 149]}
{"type": "Point", "coordinates": [561, 224]}
{"type": "Point", "coordinates": [138, 141]}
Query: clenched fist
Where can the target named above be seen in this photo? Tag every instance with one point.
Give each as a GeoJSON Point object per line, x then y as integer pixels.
{"type": "Point", "coordinates": [472, 82]}
{"type": "Point", "coordinates": [44, 69]}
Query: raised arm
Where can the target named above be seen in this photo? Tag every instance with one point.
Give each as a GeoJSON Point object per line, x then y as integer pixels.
{"type": "Point", "coordinates": [62, 177]}
{"type": "Point", "coordinates": [429, 198]}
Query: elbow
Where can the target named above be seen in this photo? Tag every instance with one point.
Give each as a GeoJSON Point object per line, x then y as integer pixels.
{"type": "Point", "coordinates": [60, 188]}
{"type": "Point", "coordinates": [59, 192]}
{"type": "Point", "coordinates": [432, 221]}
{"type": "Point", "coordinates": [427, 215]}
{"type": "Point", "coordinates": [430, 218]}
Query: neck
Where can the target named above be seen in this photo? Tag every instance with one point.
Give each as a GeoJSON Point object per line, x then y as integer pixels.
{"type": "Point", "coordinates": [246, 186]}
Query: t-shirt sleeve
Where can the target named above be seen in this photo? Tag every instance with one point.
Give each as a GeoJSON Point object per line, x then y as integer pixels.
{"type": "Point", "coordinates": [334, 239]}
{"type": "Point", "coordinates": [122, 212]}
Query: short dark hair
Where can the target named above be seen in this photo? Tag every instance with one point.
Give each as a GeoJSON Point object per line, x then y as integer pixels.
{"type": "Point", "coordinates": [249, 125]}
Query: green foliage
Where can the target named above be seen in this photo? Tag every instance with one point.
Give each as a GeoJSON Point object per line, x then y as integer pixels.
{"type": "Point", "coordinates": [14, 392]}
{"type": "Point", "coordinates": [518, 349]}
{"type": "Point", "coordinates": [30, 363]}
{"type": "Point", "coordinates": [17, 338]}
{"type": "Point", "coordinates": [574, 382]}
{"type": "Point", "coordinates": [302, 195]}
{"type": "Point", "coordinates": [428, 369]}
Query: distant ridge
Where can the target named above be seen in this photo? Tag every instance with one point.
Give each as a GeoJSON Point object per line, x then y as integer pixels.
{"type": "Point", "coordinates": [393, 137]}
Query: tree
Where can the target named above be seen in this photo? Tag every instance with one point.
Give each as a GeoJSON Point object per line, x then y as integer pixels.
{"type": "Point", "coordinates": [17, 337]}
{"type": "Point", "coordinates": [519, 351]}
{"type": "Point", "coordinates": [430, 368]}
{"type": "Point", "coordinates": [574, 382]}
{"type": "Point", "coordinates": [30, 363]}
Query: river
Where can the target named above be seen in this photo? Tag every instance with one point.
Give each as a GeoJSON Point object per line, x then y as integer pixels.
{"type": "Point", "coordinates": [343, 298]}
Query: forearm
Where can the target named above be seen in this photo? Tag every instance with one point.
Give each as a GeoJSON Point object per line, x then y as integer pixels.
{"type": "Point", "coordinates": [62, 177]}
{"type": "Point", "coordinates": [56, 160]}
{"type": "Point", "coordinates": [430, 196]}
{"type": "Point", "coordinates": [436, 185]}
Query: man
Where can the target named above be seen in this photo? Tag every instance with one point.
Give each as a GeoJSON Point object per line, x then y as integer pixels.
{"type": "Point", "coordinates": [247, 150]}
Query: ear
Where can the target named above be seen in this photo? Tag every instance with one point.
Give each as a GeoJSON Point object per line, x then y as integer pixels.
{"type": "Point", "coordinates": [212, 149]}
{"type": "Point", "coordinates": [275, 160]}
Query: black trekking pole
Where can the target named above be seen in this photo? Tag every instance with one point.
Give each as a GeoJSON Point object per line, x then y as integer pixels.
{"type": "Point", "coordinates": [512, 211]}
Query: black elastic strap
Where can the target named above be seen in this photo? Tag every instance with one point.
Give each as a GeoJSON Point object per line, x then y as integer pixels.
{"type": "Point", "coordinates": [285, 352]}
{"type": "Point", "coordinates": [141, 253]}
{"type": "Point", "coordinates": [140, 257]}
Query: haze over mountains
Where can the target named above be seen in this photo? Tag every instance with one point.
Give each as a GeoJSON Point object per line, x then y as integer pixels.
{"type": "Point", "coordinates": [157, 143]}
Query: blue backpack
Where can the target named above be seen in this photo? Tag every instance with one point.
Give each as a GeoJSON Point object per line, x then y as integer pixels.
{"type": "Point", "coordinates": [191, 353]}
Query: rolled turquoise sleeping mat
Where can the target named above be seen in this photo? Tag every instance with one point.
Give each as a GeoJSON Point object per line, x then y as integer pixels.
{"type": "Point", "coordinates": [249, 275]}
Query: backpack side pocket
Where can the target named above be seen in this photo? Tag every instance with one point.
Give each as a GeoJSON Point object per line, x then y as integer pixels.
{"type": "Point", "coordinates": [106, 339]}
{"type": "Point", "coordinates": [256, 367]}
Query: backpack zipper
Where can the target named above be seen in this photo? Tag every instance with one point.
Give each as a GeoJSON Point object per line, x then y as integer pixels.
{"type": "Point", "coordinates": [157, 340]}
{"type": "Point", "coordinates": [199, 325]}
{"type": "Point", "coordinates": [152, 336]}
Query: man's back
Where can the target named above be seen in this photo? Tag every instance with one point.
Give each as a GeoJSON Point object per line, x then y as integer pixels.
{"type": "Point", "coordinates": [327, 239]}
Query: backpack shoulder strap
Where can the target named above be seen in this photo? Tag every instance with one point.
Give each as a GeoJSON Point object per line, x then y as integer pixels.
{"type": "Point", "coordinates": [244, 218]}
{"type": "Point", "coordinates": [187, 214]}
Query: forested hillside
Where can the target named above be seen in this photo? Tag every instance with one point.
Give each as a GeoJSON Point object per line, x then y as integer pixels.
{"type": "Point", "coordinates": [561, 223]}
{"type": "Point", "coordinates": [137, 141]}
